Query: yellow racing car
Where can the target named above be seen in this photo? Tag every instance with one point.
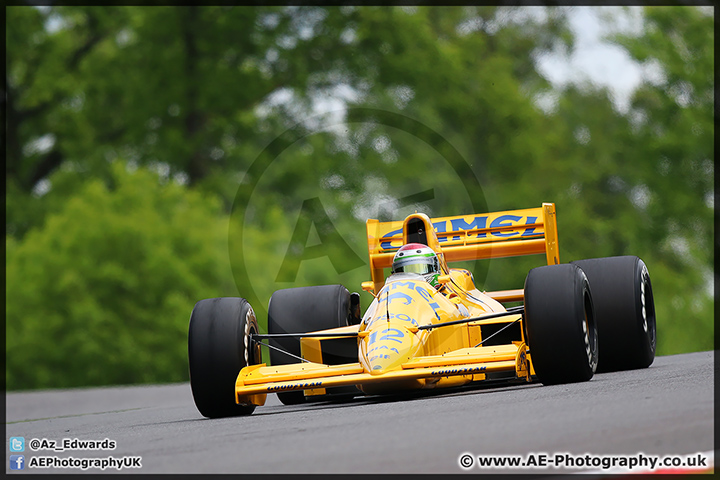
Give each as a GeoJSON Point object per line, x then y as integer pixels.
{"type": "Point", "coordinates": [428, 325]}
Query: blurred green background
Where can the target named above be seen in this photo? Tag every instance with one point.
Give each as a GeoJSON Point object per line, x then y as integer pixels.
{"type": "Point", "coordinates": [157, 154]}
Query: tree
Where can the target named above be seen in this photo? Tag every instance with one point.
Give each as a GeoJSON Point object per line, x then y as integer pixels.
{"type": "Point", "coordinates": [182, 148]}
{"type": "Point", "coordinates": [102, 293]}
{"type": "Point", "coordinates": [672, 180]}
{"type": "Point", "coordinates": [465, 74]}
{"type": "Point", "coordinates": [202, 89]}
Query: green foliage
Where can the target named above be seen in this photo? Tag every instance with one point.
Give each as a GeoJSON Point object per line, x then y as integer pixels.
{"type": "Point", "coordinates": [670, 177]}
{"type": "Point", "coordinates": [636, 183]}
{"type": "Point", "coordinates": [159, 156]}
{"type": "Point", "coordinates": [102, 293]}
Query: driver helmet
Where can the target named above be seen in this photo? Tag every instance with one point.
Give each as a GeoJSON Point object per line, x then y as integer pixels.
{"type": "Point", "coordinates": [420, 259]}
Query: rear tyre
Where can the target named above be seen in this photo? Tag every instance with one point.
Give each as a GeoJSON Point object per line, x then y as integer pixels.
{"type": "Point", "coordinates": [218, 348]}
{"type": "Point", "coordinates": [561, 330]}
{"type": "Point", "coordinates": [302, 310]}
{"type": "Point", "coordinates": [624, 311]}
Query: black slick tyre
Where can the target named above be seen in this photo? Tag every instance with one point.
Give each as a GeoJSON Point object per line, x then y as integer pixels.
{"type": "Point", "coordinates": [302, 310]}
{"type": "Point", "coordinates": [624, 311]}
{"type": "Point", "coordinates": [218, 348]}
{"type": "Point", "coordinates": [560, 324]}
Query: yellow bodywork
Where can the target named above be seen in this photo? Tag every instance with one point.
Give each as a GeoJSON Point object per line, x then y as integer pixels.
{"type": "Point", "coordinates": [396, 350]}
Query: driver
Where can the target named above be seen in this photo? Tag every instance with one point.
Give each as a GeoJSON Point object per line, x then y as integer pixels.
{"type": "Point", "coordinates": [420, 259]}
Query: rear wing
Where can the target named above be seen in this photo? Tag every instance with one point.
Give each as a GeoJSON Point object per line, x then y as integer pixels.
{"type": "Point", "coordinates": [466, 237]}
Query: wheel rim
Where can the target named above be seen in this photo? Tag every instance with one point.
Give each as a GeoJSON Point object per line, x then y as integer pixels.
{"type": "Point", "coordinates": [589, 329]}
{"type": "Point", "coordinates": [647, 307]}
{"type": "Point", "coordinates": [250, 350]}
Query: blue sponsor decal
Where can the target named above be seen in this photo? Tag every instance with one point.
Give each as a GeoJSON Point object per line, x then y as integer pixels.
{"type": "Point", "coordinates": [407, 299]}
{"type": "Point", "coordinates": [423, 292]}
{"type": "Point", "coordinates": [498, 222]}
{"type": "Point", "coordinates": [477, 223]}
{"type": "Point", "coordinates": [388, 239]}
{"type": "Point", "coordinates": [389, 334]}
{"type": "Point", "coordinates": [530, 232]}
{"type": "Point", "coordinates": [398, 316]}
{"type": "Point", "coordinates": [395, 285]}
{"type": "Point", "coordinates": [440, 227]}
{"type": "Point", "coordinates": [404, 317]}
{"type": "Point", "coordinates": [435, 307]}
{"type": "Point", "coordinates": [377, 357]}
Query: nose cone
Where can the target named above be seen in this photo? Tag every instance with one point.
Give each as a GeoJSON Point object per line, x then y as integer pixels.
{"type": "Point", "coordinates": [387, 347]}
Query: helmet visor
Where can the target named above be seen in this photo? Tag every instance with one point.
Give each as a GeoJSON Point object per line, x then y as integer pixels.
{"type": "Point", "coordinates": [419, 266]}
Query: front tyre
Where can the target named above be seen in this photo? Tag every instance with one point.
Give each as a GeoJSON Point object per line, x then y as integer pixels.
{"type": "Point", "coordinates": [218, 348]}
{"type": "Point", "coordinates": [302, 310]}
{"type": "Point", "coordinates": [560, 323]}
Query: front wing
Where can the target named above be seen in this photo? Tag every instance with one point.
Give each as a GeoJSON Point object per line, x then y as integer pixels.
{"type": "Point", "coordinates": [254, 382]}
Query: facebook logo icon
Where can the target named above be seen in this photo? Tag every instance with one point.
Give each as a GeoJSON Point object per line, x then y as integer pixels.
{"type": "Point", "coordinates": [17, 462]}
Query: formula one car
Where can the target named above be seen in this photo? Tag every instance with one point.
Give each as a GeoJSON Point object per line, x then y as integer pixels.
{"type": "Point", "coordinates": [428, 325]}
